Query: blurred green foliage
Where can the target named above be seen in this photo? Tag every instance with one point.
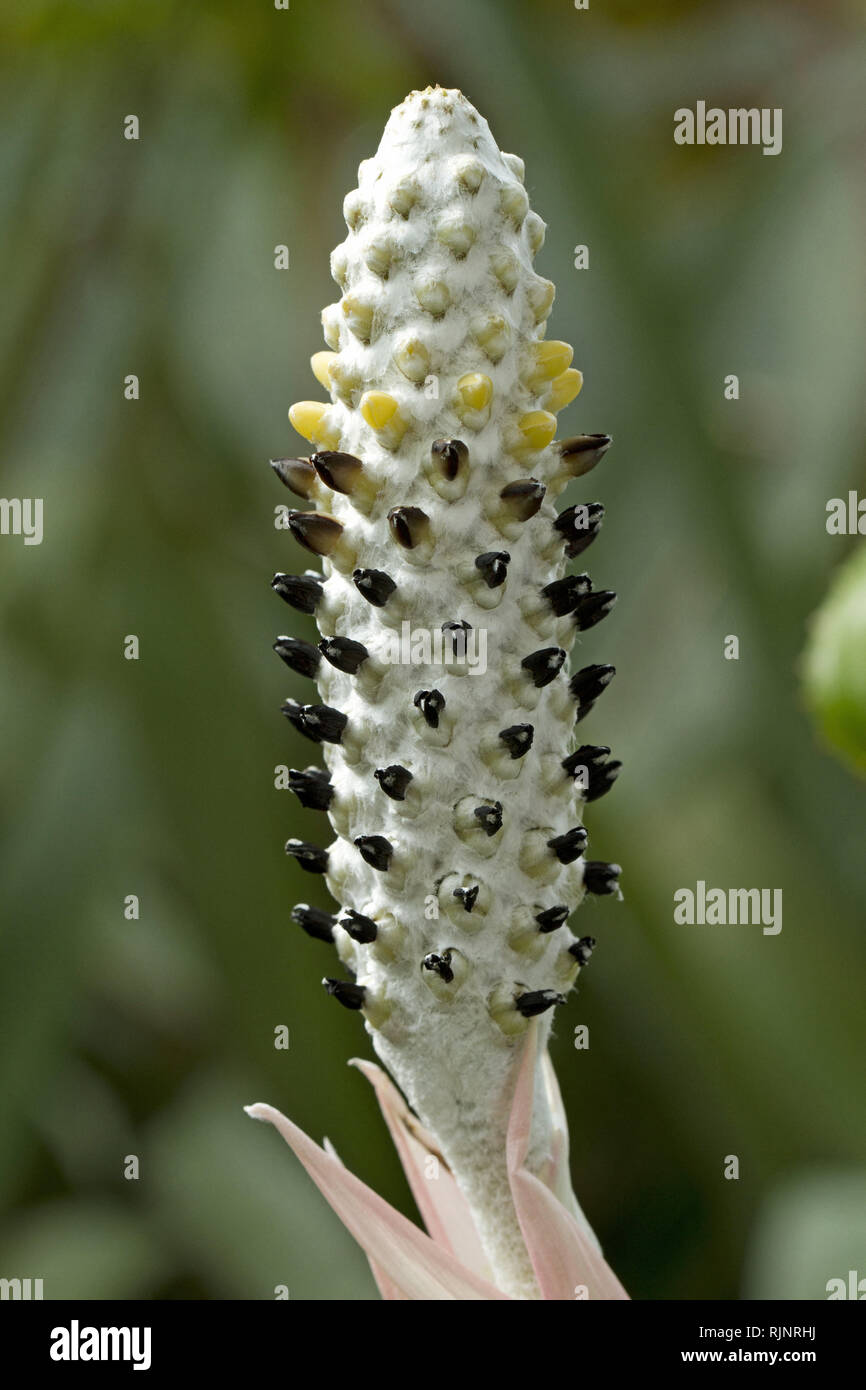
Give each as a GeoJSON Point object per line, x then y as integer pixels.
{"type": "Point", "coordinates": [156, 777]}
{"type": "Point", "coordinates": [835, 666]}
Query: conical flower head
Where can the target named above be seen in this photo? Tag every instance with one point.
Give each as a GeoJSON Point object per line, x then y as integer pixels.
{"type": "Point", "coordinates": [446, 707]}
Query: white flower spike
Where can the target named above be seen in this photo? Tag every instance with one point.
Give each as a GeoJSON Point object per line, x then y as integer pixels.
{"type": "Point", "coordinates": [452, 781]}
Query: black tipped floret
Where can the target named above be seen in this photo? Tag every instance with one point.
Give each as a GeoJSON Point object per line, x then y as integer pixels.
{"type": "Point", "coordinates": [579, 525]}
{"type": "Point", "coordinates": [376, 851]}
{"type": "Point", "coordinates": [302, 591]}
{"type": "Point", "coordinates": [569, 846]}
{"type": "Point", "coordinates": [360, 928]}
{"type": "Point", "coordinates": [522, 499]}
{"type": "Point", "coordinates": [601, 879]}
{"type": "Point", "coordinates": [343, 653]}
{"type": "Point", "coordinates": [324, 723]}
{"type": "Point", "coordinates": [319, 723]}
{"type": "Point", "coordinates": [582, 949]}
{"type": "Point", "coordinates": [588, 755]}
{"type": "Point", "coordinates": [448, 455]}
{"type": "Point", "coordinates": [563, 595]}
{"type": "Point", "coordinates": [295, 715]}
{"type": "Point", "coordinates": [393, 780]}
{"type": "Point", "coordinates": [489, 817]}
{"type": "Point", "coordinates": [456, 636]}
{"type": "Point", "coordinates": [601, 779]}
{"type": "Point", "coordinates": [374, 585]}
{"type": "Point", "coordinates": [544, 666]}
{"type": "Point", "coordinates": [299, 656]}
{"type": "Point", "coordinates": [431, 704]}
{"type": "Point", "coordinates": [493, 566]}
{"type": "Point", "coordinates": [440, 965]}
{"type": "Point", "coordinates": [517, 739]}
{"type": "Point", "coordinates": [342, 472]}
{"type": "Point", "coordinates": [310, 857]}
{"type": "Point", "coordinates": [298, 475]}
{"type": "Point", "coordinates": [350, 995]}
{"type": "Point", "coordinates": [552, 917]}
{"type": "Point", "coordinates": [409, 526]}
{"type": "Point", "coordinates": [581, 453]}
{"type": "Point", "coordinates": [587, 684]}
{"type": "Point", "coordinates": [312, 787]}
{"type": "Point", "coordinates": [537, 1001]}
{"type": "Point", "coordinates": [592, 608]}
{"type": "Point", "coordinates": [314, 921]}
{"type": "Point", "coordinates": [316, 531]}
{"type": "Point", "coordinates": [467, 896]}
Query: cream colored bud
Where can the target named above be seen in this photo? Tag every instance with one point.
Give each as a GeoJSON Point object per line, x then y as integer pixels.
{"type": "Point", "coordinates": [457, 234]}
{"type": "Point", "coordinates": [358, 314]}
{"type": "Point", "coordinates": [468, 173]}
{"type": "Point", "coordinates": [332, 316]}
{"type": "Point", "coordinates": [433, 296]}
{"type": "Point", "coordinates": [540, 296]}
{"type": "Point", "coordinates": [412, 358]}
{"type": "Point", "coordinates": [354, 211]}
{"type": "Point", "coordinates": [493, 335]}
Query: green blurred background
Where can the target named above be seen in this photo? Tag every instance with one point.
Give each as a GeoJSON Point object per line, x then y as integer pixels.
{"type": "Point", "coordinates": [156, 777]}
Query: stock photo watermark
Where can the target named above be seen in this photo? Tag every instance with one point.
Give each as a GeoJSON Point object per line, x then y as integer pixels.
{"type": "Point", "coordinates": [732, 907]}
{"type": "Point", "coordinates": [22, 516]}
{"type": "Point", "coordinates": [740, 125]}
{"type": "Point", "coordinates": [452, 645]}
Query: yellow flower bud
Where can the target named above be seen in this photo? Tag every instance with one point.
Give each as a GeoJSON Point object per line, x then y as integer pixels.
{"type": "Point", "coordinates": [382, 413]}
{"type": "Point", "coordinates": [321, 364]}
{"type": "Point", "coordinates": [475, 391]}
{"type": "Point", "coordinates": [536, 429]}
{"type": "Point", "coordinates": [564, 388]}
{"type": "Point", "coordinates": [549, 359]}
{"type": "Point", "coordinates": [313, 420]}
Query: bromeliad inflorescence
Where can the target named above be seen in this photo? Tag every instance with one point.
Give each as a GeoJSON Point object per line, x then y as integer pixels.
{"type": "Point", "coordinates": [455, 790]}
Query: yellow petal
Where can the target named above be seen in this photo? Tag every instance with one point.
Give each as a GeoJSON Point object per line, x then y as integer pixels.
{"type": "Point", "coordinates": [379, 409]}
{"type": "Point", "coordinates": [551, 359]}
{"type": "Point", "coordinates": [305, 416]}
{"type": "Point", "coordinates": [476, 390]}
{"type": "Point", "coordinates": [537, 428]}
{"type": "Point", "coordinates": [321, 365]}
{"type": "Point", "coordinates": [564, 388]}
